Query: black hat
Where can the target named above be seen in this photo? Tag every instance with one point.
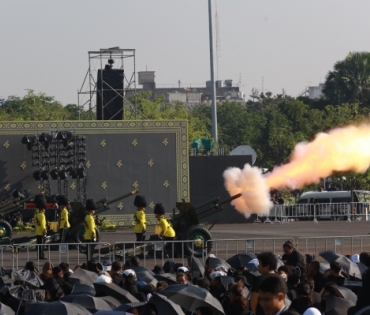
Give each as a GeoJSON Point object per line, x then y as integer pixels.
{"type": "Point", "coordinates": [243, 279]}
{"type": "Point", "coordinates": [140, 201]}
{"type": "Point", "coordinates": [40, 202]}
{"type": "Point", "coordinates": [63, 201]}
{"type": "Point", "coordinates": [159, 209]}
{"type": "Point", "coordinates": [90, 205]}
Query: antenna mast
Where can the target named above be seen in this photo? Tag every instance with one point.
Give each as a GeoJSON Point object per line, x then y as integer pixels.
{"type": "Point", "coordinates": [218, 43]}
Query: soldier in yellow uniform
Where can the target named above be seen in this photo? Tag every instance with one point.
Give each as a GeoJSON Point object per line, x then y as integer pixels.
{"type": "Point", "coordinates": [140, 218]}
{"type": "Point", "coordinates": [64, 218]}
{"type": "Point", "coordinates": [40, 224]}
{"type": "Point", "coordinates": [90, 235]}
{"type": "Point", "coordinates": [167, 232]}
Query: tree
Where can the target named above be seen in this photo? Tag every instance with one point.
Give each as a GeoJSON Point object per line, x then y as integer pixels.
{"type": "Point", "coordinates": [349, 82]}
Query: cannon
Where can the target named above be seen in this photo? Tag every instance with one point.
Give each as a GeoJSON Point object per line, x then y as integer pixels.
{"type": "Point", "coordinates": [186, 224]}
{"type": "Point", "coordinates": [78, 213]}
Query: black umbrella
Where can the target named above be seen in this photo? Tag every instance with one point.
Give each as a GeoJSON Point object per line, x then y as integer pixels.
{"type": "Point", "coordinates": [240, 260]}
{"type": "Point", "coordinates": [82, 276]}
{"type": "Point", "coordinates": [168, 277]}
{"type": "Point", "coordinates": [139, 269]}
{"type": "Point", "coordinates": [226, 280]}
{"type": "Point", "coordinates": [190, 297]}
{"type": "Point", "coordinates": [111, 289]}
{"type": "Point", "coordinates": [30, 277]}
{"type": "Point", "coordinates": [196, 266]}
{"type": "Point", "coordinates": [113, 302]}
{"type": "Point", "coordinates": [146, 275]}
{"type": "Point", "coordinates": [57, 308]}
{"type": "Point", "coordinates": [83, 289]}
{"type": "Point", "coordinates": [165, 305]}
{"type": "Point", "coordinates": [214, 262]}
{"type": "Point", "coordinates": [128, 306]}
{"type": "Point", "coordinates": [6, 310]}
{"type": "Point", "coordinates": [337, 306]}
{"type": "Point", "coordinates": [91, 303]}
{"type": "Point", "coordinates": [348, 266]}
{"type": "Point", "coordinates": [251, 276]}
{"type": "Point", "coordinates": [24, 294]}
{"type": "Point", "coordinates": [112, 313]}
{"type": "Point", "coordinates": [346, 293]}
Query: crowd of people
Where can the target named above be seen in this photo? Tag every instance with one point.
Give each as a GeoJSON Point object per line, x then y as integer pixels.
{"type": "Point", "coordinates": [286, 285]}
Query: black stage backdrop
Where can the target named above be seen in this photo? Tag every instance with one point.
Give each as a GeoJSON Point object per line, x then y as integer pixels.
{"type": "Point", "coordinates": [206, 183]}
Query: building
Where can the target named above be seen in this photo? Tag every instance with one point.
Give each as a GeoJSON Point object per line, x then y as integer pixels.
{"type": "Point", "coordinates": [190, 95]}
{"type": "Point", "coordinates": [315, 91]}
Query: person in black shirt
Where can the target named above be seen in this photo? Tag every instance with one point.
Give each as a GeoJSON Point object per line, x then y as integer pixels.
{"type": "Point", "coordinates": [333, 275]}
{"type": "Point", "coordinates": [314, 273]}
{"type": "Point", "coordinates": [217, 289]}
{"type": "Point", "coordinates": [238, 303]}
{"type": "Point", "coordinates": [291, 257]}
{"type": "Point", "coordinates": [267, 263]}
{"type": "Point", "coordinates": [272, 293]}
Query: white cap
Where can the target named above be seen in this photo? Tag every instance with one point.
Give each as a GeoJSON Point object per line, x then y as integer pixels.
{"type": "Point", "coordinates": [211, 255]}
{"type": "Point", "coordinates": [355, 258]}
{"type": "Point", "coordinates": [103, 279]}
{"type": "Point", "coordinates": [216, 274]}
{"type": "Point", "coordinates": [221, 268]}
{"type": "Point", "coordinates": [128, 272]}
{"type": "Point", "coordinates": [312, 311]}
{"type": "Point", "coordinates": [254, 261]}
{"type": "Point", "coordinates": [183, 269]}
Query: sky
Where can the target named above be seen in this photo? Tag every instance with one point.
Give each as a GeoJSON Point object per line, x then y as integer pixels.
{"type": "Point", "coordinates": [264, 44]}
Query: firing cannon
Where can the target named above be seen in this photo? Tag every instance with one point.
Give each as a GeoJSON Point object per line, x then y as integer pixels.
{"type": "Point", "coordinates": [187, 227]}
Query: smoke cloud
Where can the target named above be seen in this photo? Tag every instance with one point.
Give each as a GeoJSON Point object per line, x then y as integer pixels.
{"type": "Point", "coordinates": [339, 150]}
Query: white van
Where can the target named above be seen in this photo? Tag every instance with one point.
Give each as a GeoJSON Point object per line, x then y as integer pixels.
{"type": "Point", "coordinates": [332, 204]}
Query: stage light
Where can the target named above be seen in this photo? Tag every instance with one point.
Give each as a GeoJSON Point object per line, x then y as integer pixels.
{"type": "Point", "coordinates": [45, 137]}
{"type": "Point", "coordinates": [37, 163]}
{"type": "Point", "coordinates": [82, 160]}
{"type": "Point", "coordinates": [16, 194]}
{"type": "Point", "coordinates": [45, 155]}
{"type": "Point", "coordinates": [54, 174]}
{"type": "Point", "coordinates": [82, 145]}
{"type": "Point", "coordinates": [45, 175]}
{"type": "Point", "coordinates": [72, 172]}
{"type": "Point", "coordinates": [81, 172]}
{"type": "Point", "coordinates": [81, 138]}
{"type": "Point", "coordinates": [81, 152]}
{"type": "Point", "coordinates": [46, 164]}
{"type": "Point", "coordinates": [25, 140]}
{"type": "Point", "coordinates": [35, 157]}
{"type": "Point", "coordinates": [37, 175]}
{"type": "Point", "coordinates": [70, 154]}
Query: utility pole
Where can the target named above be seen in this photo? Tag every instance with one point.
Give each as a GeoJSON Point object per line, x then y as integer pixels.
{"type": "Point", "coordinates": [213, 87]}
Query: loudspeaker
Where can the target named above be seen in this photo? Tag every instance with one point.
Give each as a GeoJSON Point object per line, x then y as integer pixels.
{"type": "Point", "coordinates": [109, 95]}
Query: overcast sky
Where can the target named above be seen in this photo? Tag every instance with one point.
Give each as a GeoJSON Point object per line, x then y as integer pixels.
{"type": "Point", "coordinates": [289, 43]}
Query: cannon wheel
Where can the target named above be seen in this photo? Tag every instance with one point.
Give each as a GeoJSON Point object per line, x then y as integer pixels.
{"type": "Point", "coordinates": [199, 237]}
{"type": "Point", "coordinates": [6, 230]}
{"type": "Point", "coordinates": [80, 231]}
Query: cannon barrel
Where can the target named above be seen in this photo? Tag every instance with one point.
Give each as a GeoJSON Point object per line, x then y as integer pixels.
{"type": "Point", "coordinates": [213, 201]}
{"type": "Point", "coordinates": [209, 209]}
{"type": "Point", "coordinates": [106, 204]}
{"type": "Point", "coordinates": [204, 215]}
{"type": "Point", "coordinates": [13, 205]}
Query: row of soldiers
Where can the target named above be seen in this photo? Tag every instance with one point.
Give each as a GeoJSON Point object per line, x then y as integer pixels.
{"type": "Point", "coordinates": [165, 232]}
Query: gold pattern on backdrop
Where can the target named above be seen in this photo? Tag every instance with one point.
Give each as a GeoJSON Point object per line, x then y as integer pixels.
{"type": "Point", "coordinates": [120, 206]}
{"type": "Point", "coordinates": [23, 165]}
{"type": "Point", "coordinates": [103, 143]}
{"type": "Point", "coordinates": [88, 164]}
{"type": "Point", "coordinates": [104, 185]}
{"type": "Point", "coordinates": [7, 187]}
{"type": "Point", "coordinates": [119, 164]}
{"type": "Point", "coordinates": [72, 186]}
{"type": "Point", "coordinates": [135, 184]}
{"type": "Point", "coordinates": [150, 163]}
{"type": "Point", "coordinates": [151, 205]}
{"type": "Point", "coordinates": [166, 183]}
{"type": "Point", "coordinates": [134, 143]}
{"type": "Point", "coordinates": [165, 141]}
{"type": "Point", "coordinates": [6, 144]}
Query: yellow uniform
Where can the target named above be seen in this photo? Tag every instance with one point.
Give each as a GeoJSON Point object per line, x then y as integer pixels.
{"type": "Point", "coordinates": [35, 215]}
{"type": "Point", "coordinates": [166, 228]}
{"type": "Point", "coordinates": [140, 219]}
{"type": "Point", "coordinates": [40, 224]}
{"type": "Point", "coordinates": [64, 219]}
{"type": "Point", "coordinates": [89, 228]}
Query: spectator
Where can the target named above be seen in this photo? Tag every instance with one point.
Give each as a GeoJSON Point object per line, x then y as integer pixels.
{"type": "Point", "coordinates": [148, 290]}
{"type": "Point", "coordinates": [158, 270]}
{"type": "Point", "coordinates": [168, 266]}
{"type": "Point", "coordinates": [53, 290]}
{"type": "Point", "coordinates": [65, 267]}
{"type": "Point", "coordinates": [242, 281]}
{"type": "Point", "coordinates": [130, 284]}
{"type": "Point", "coordinates": [135, 261]}
{"type": "Point", "coordinates": [333, 275]}
{"type": "Point", "coordinates": [284, 271]}
{"type": "Point", "coordinates": [238, 303]}
{"type": "Point", "coordinates": [203, 283]}
{"type": "Point", "coordinates": [66, 286]}
{"type": "Point", "coordinates": [364, 294]}
{"type": "Point", "coordinates": [304, 298]}
{"type": "Point", "coordinates": [30, 265]}
{"type": "Point", "coordinates": [291, 257]}
{"type": "Point", "coordinates": [217, 289]}
{"type": "Point", "coordinates": [127, 265]}
{"type": "Point", "coordinates": [58, 275]}
{"type": "Point", "coordinates": [181, 278]}
{"type": "Point", "coordinates": [203, 310]}
{"type": "Point", "coordinates": [267, 264]}
{"type": "Point", "coordinates": [272, 293]}
{"type": "Point", "coordinates": [160, 286]}
{"type": "Point", "coordinates": [47, 270]}
{"type": "Point", "coordinates": [314, 273]}
{"type": "Point", "coordinates": [116, 273]}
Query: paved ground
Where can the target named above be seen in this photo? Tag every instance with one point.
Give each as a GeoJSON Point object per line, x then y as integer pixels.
{"type": "Point", "coordinates": [245, 237]}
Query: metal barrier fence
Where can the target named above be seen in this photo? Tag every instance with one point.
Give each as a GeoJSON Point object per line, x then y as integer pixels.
{"type": "Point", "coordinates": [315, 212]}
{"type": "Point", "coordinates": [345, 245]}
